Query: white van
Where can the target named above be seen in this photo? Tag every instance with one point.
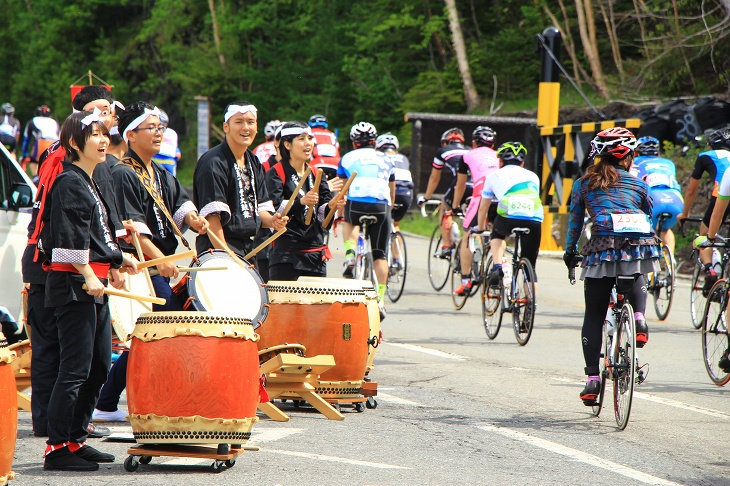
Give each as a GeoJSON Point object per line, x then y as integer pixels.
{"type": "Point", "coordinates": [17, 193]}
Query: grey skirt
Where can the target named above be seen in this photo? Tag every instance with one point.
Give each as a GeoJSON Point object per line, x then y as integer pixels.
{"type": "Point", "coordinates": [613, 269]}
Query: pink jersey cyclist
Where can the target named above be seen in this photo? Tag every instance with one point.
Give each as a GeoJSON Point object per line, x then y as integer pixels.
{"type": "Point", "coordinates": [480, 162]}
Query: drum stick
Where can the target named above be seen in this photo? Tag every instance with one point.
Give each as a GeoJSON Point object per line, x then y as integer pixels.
{"type": "Point", "coordinates": [169, 258]}
{"type": "Point", "coordinates": [339, 196]}
{"type": "Point", "coordinates": [191, 269]}
{"type": "Point", "coordinates": [317, 182]}
{"type": "Point", "coordinates": [225, 248]}
{"type": "Point", "coordinates": [265, 243]}
{"type": "Point", "coordinates": [129, 295]}
{"type": "Point", "coordinates": [140, 256]}
{"type": "Point", "coordinates": [296, 191]}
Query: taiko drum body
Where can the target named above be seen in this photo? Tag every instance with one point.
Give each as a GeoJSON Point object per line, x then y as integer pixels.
{"type": "Point", "coordinates": [327, 319]}
{"type": "Point", "coordinates": [8, 411]}
{"type": "Point", "coordinates": [192, 378]}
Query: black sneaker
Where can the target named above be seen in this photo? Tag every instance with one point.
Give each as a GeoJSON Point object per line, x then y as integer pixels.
{"type": "Point", "coordinates": [710, 279]}
{"type": "Point", "coordinates": [495, 277]}
{"type": "Point", "coordinates": [97, 431]}
{"type": "Point", "coordinates": [590, 393]}
{"type": "Point", "coordinates": [92, 455]}
{"type": "Point", "coordinates": [65, 460]}
{"type": "Point", "coordinates": [724, 363]}
{"type": "Point", "coordinates": [642, 333]}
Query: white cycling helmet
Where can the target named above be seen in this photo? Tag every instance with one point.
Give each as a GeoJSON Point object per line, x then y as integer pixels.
{"type": "Point", "coordinates": [363, 133]}
{"type": "Point", "coordinates": [270, 128]}
{"type": "Point", "coordinates": [387, 140]}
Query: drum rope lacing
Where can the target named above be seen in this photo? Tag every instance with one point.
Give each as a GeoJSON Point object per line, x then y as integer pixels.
{"type": "Point", "coordinates": [314, 290]}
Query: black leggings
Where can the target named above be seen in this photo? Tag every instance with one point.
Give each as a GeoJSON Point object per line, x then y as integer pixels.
{"type": "Point", "coordinates": [379, 231]}
{"type": "Point", "coordinates": [597, 293]}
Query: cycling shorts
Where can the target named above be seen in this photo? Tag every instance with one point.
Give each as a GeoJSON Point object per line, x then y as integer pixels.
{"type": "Point", "coordinates": [708, 213]}
{"type": "Point", "coordinates": [666, 200]}
{"type": "Point", "coordinates": [402, 203]}
{"type": "Point", "coordinates": [9, 141]}
{"type": "Point", "coordinates": [529, 244]}
{"type": "Point", "coordinates": [379, 232]}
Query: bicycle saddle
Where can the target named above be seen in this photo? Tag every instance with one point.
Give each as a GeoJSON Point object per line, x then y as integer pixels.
{"type": "Point", "coordinates": [522, 231]}
{"type": "Point", "coordinates": [368, 219]}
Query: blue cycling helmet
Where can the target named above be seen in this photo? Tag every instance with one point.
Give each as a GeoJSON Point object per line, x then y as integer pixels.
{"type": "Point", "coordinates": [647, 146]}
{"type": "Point", "coordinates": [318, 121]}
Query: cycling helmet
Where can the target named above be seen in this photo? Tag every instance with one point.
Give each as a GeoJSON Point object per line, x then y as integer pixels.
{"type": "Point", "coordinates": [387, 140]}
{"type": "Point", "coordinates": [164, 119]}
{"type": "Point", "coordinates": [618, 142]}
{"type": "Point", "coordinates": [452, 135]}
{"type": "Point", "coordinates": [483, 136]}
{"type": "Point", "coordinates": [43, 110]}
{"type": "Point", "coordinates": [318, 121]}
{"type": "Point", "coordinates": [270, 128]}
{"type": "Point", "coordinates": [363, 133]}
{"type": "Point", "coordinates": [8, 109]}
{"type": "Point", "coordinates": [720, 138]}
{"type": "Point", "coordinates": [512, 153]}
{"type": "Point", "coordinates": [647, 146]}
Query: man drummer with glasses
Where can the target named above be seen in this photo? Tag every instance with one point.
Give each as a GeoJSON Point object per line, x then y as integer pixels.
{"type": "Point", "coordinates": [229, 186]}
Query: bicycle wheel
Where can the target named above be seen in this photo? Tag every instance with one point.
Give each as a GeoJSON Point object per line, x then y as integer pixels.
{"type": "Point", "coordinates": [714, 333]}
{"type": "Point", "coordinates": [457, 300]}
{"type": "Point", "coordinates": [603, 371]}
{"type": "Point", "coordinates": [396, 270]}
{"type": "Point", "coordinates": [439, 266]}
{"type": "Point", "coordinates": [663, 287]}
{"type": "Point", "coordinates": [698, 298]}
{"type": "Point", "coordinates": [624, 365]}
{"type": "Point", "coordinates": [491, 305]}
{"type": "Point", "coordinates": [477, 270]}
{"type": "Point", "coordinates": [523, 312]}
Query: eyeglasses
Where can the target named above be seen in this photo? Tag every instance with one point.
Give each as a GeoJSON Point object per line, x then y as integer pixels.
{"type": "Point", "coordinates": [157, 129]}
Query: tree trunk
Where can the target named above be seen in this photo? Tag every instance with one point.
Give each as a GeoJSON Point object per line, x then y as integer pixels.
{"type": "Point", "coordinates": [216, 34]}
{"type": "Point", "coordinates": [610, 23]}
{"type": "Point", "coordinates": [590, 48]}
{"type": "Point", "coordinates": [470, 93]}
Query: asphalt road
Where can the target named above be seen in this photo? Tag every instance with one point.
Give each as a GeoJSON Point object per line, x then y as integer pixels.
{"type": "Point", "coordinates": [456, 408]}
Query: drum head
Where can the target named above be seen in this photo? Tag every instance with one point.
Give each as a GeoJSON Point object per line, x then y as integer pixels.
{"type": "Point", "coordinates": [233, 291]}
{"type": "Point", "coordinates": [124, 312]}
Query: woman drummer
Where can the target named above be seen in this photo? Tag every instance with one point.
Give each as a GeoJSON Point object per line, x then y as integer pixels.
{"type": "Point", "coordinates": [301, 250]}
{"type": "Point", "coordinates": [78, 237]}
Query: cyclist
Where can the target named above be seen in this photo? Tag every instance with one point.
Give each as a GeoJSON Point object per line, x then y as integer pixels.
{"type": "Point", "coordinates": [715, 162]}
{"type": "Point", "coordinates": [370, 193]}
{"type": "Point", "coordinates": [480, 161]}
{"type": "Point", "coordinates": [661, 176]}
{"type": "Point", "coordinates": [169, 154]}
{"type": "Point", "coordinates": [39, 134]}
{"type": "Point", "coordinates": [326, 153]}
{"type": "Point", "coordinates": [448, 157]}
{"type": "Point", "coordinates": [9, 128]}
{"type": "Point", "coordinates": [621, 242]}
{"type": "Point", "coordinates": [517, 192]}
{"type": "Point", "coordinates": [265, 150]}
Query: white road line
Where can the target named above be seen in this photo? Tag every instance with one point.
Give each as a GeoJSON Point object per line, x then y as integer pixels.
{"type": "Point", "coordinates": [321, 457]}
{"type": "Point", "coordinates": [665, 401]}
{"type": "Point", "coordinates": [420, 349]}
{"type": "Point", "coordinates": [576, 455]}
{"type": "Point", "coordinates": [386, 397]}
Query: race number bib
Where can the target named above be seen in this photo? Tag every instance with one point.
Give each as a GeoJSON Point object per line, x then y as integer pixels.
{"type": "Point", "coordinates": [658, 179]}
{"type": "Point", "coordinates": [631, 223]}
{"type": "Point", "coordinates": [520, 206]}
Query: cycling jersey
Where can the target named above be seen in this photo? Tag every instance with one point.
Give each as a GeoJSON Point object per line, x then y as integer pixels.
{"type": "Point", "coordinates": [449, 157]}
{"type": "Point", "coordinates": [714, 162]}
{"type": "Point", "coordinates": [9, 126]}
{"type": "Point", "coordinates": [43, 131]}
{"type": "Point", "coordinates": [374, 172]}
{"type": "Point", "coordinates": [264, 151]}
{"type": "Point", "coordinates": [402, 170]}
{"type": "Point", "coordinates": [656, 171]}
{"type": "Point", "coordinates": [517, 191]}
{"type": "Point", "coordinates": [169, 152]}
{"type": "Point", "coordinates": [326, 153]}
{"type": "Point", "coordinates": [479, 162]}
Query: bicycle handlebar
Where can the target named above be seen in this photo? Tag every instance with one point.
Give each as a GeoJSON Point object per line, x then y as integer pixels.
{"type": "Point", "coordinates": [432, 202]}
{"type": "Point", "coordinates": [687, 220]}
{"type": "Point", "coordinates": [571, 270]}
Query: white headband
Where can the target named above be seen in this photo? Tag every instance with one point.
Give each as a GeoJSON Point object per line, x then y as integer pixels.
{"type": "Point", "coordinates": [93, 117]}
{"type": "Point", "coordinates": [295, 131]}
{"type": "Point", "coordinates": [233, 109]}
{"type": "Point", "coordinates": [139, 120]}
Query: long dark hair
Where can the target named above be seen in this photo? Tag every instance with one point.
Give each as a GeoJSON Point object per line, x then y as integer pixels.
{"type": "Point", "coordinates": [603, 174]}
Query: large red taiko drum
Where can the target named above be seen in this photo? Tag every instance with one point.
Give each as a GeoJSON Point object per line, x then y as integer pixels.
{"type": "Point", "coordinates": [192, 378]}
{"type": "Point", "coordinates": [8, 411]}
{"type": "Point", "coordinates": [326, 318]}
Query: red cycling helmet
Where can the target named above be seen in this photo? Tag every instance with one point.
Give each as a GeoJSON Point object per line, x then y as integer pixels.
{"type": "Point", "coordinates": [452, 135]}
{"type": "Point", "coordinates": [617, 141]}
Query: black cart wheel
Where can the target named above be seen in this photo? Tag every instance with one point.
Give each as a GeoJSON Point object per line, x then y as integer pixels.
{"type": "Point", "coordinates": [145, 459]}
{"type": "Point", "coordinates": [217, 467]}
{"type": "Point", "coordinates": [230, 462]}
{"type": "Point", "coordinates": [359, 407]}
{"type": "Point", "coordinates": [131, 464]}
{"type": "Point", "coordinates": [372, 403]}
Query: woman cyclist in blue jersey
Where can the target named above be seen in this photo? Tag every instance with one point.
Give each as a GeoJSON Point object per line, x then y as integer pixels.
{"type": "Point", "coordinates": [622, 241]}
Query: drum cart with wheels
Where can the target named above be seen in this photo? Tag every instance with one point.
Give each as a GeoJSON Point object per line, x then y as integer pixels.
{"type": "Point", "coordinates": [224, 456]}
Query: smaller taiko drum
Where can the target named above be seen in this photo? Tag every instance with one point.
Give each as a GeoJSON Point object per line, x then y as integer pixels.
{"type": "Point", "coordinates": [124, 312]}
{"type": "Point", "coordinates": [327, 319]}
{"type": "Point", "coordinates": [8, 411]}
{"type": "Point", "coordinates": [192, 378]}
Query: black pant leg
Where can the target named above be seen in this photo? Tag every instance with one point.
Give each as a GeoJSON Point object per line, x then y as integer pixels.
{"type": "Point", "coordinates": [637, 295]}
{"type": "Point", "coordinates": [284, 271]}
{"type": "Point", "coordinates": [45, 362]}
{"type": "Point", "coordinates": [115, 385]}
{"type": "Point", "coordinates": [597, 293]}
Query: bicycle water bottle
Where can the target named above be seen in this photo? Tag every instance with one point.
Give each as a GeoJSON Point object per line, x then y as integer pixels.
{"type": "Point", "coordinates": [360, 244]}
{"type": "Point", "coordinates": [716, 261]}
{"type": "Point", "coordinates": [507, 270]}
{"type": "Point", "coordinates": [455, 232]}
{"type": "Point", "coordinates": [610, 318]}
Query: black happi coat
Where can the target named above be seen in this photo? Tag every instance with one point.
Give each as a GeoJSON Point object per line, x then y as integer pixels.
{"type": "Point", "coordinates": [219, 187]}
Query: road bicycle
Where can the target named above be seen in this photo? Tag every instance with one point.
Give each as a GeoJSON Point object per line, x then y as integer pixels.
{"type": "Point", "coordinates": [514, 294]}
{"type": "Point", "coordinates": [439, 258]}
{"type": "Point", "coordinates": [364, 266]}
{"type": "Point", "coordinates": [618, 359]}
{"type": "Point", "coordinates": [397, 265]}
{"type": "Point", "coordinates": [661, 284]}
{"type": "Point", "coordinates": [479, 248]}
{"type": "Point", "coordinates": [715, 337]}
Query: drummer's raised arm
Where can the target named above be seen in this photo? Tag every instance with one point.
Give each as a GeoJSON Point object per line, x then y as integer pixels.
{"type": "Point", "coordinates": [215, 227]}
